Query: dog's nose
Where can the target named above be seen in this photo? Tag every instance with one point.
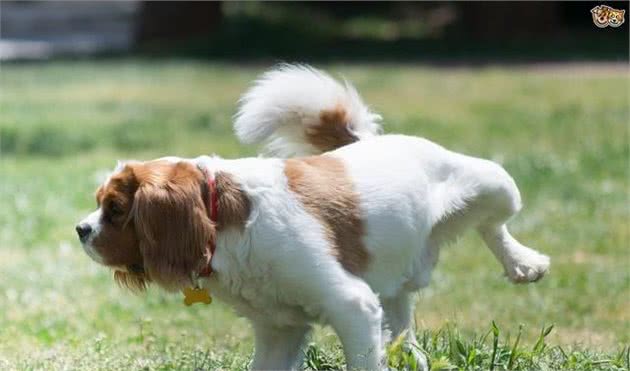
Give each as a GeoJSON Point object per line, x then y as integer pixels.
{"type": "Point", "coordinates": [83, 230]}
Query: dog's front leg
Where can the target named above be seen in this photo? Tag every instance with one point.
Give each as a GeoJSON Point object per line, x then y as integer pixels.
{"type": "Point", "coordinates": [278, 348]}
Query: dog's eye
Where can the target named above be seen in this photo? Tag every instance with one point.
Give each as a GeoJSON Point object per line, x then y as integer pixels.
{"type": "Point", "coordinates": [115, 209]}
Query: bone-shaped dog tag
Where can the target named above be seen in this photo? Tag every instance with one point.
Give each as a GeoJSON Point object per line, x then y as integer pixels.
{"type": "Point", "coordinates": [196, 295]}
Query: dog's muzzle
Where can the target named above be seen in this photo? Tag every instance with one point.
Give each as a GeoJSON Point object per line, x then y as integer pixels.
{"type": "Point", "coordinates": [84, 230]}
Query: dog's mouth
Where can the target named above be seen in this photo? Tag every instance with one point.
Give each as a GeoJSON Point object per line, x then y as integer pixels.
{"type": "Point", "coordinates": [91, 252]}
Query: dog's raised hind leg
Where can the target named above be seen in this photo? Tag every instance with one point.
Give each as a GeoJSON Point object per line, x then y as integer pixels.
{"type": "Point", "coordinates": [487, 200]}
{"type": "Point", "coordinates": [521, 263]}
{"type": "Point", "coordinates": [502, 200]}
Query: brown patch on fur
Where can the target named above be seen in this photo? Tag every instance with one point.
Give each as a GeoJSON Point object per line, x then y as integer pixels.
{"type": "Point", "coordinates": [324, 188]}
{"type": "Point", "coordinates": [332, 130]}
{"type": "Point", "coordinates": [233, 205]}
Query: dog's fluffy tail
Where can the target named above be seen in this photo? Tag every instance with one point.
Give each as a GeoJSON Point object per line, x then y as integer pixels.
{"type": "Point", "coordinates": [297, 110]}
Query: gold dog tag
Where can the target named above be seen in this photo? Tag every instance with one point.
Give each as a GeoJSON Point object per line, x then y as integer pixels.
{"type": "Point", "coordinates": [196, 295]}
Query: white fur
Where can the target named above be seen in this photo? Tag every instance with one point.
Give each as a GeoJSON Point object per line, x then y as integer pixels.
{"type": "Point", "coordinates": [94, 221]}
{"type": "Point", "coordinates": [286, 101]}
{"type": "Point", "coordinates": [414, 197]}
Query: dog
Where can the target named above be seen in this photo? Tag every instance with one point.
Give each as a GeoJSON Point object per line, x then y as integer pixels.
{"type": "Point", "coordinates": [339, 225]}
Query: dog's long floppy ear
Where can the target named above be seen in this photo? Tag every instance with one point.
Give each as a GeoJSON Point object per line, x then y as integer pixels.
{"type": "Point", "coordinates": [172, 223]}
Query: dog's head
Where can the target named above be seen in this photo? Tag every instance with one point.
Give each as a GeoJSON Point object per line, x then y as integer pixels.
{"type": "Point", "coordinates": [151, 224]}
{"type": "Point", "coordinates": [616, 17]}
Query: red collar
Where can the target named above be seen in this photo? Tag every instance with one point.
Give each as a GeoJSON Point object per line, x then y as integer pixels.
{"type": "Point", "coordinates": [214, 212]}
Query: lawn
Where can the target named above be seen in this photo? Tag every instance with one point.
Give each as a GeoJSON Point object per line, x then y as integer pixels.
{"type": "Point", "coordinates": [561, 132]}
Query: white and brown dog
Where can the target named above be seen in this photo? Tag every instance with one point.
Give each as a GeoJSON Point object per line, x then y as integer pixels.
{"type": "Point", "coordinates": [342, 234]}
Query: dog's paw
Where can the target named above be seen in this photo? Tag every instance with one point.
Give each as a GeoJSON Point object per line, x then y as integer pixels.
{"type": "Point", "coordinates": [421, 360]}
{"type": "Point", "coordinates": [529, 266]}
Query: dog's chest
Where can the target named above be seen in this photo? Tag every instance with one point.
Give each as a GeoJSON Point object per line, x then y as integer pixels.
{"type": "Point", "coordinates": [252, 285]}
{"type": "Point", "coordinates": [259, 299]}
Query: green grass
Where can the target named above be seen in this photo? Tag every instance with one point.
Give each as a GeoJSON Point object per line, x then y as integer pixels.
{"type": "Point", "coordinates": [562, 134]}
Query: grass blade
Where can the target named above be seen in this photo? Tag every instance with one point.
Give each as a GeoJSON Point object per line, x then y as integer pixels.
{"type": "Point", "coordinates": [495, 344]}
{"type": "Point", "coordinates": [514, 351]}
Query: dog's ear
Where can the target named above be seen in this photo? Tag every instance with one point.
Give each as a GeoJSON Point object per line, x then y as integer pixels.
{"type": "Point", "coordinates": [135, 282]}
{"type": "Point", "coordinates": [172, 223]}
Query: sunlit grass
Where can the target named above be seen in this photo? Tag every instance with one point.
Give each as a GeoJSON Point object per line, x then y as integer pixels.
{"type": "Point", "coordinates": [562, 135]}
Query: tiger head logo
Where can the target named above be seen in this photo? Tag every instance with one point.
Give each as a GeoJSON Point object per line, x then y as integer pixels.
{"type": "Point", "coordinates": [604, 16]}
{"type": "Point", "coordinates": [616, 17]}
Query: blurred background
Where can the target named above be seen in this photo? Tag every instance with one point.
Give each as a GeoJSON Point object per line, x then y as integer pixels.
{"type": "Point", "coordinates": [535, 86]}
{"type": "Point", "coordinates": [438, 32]}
